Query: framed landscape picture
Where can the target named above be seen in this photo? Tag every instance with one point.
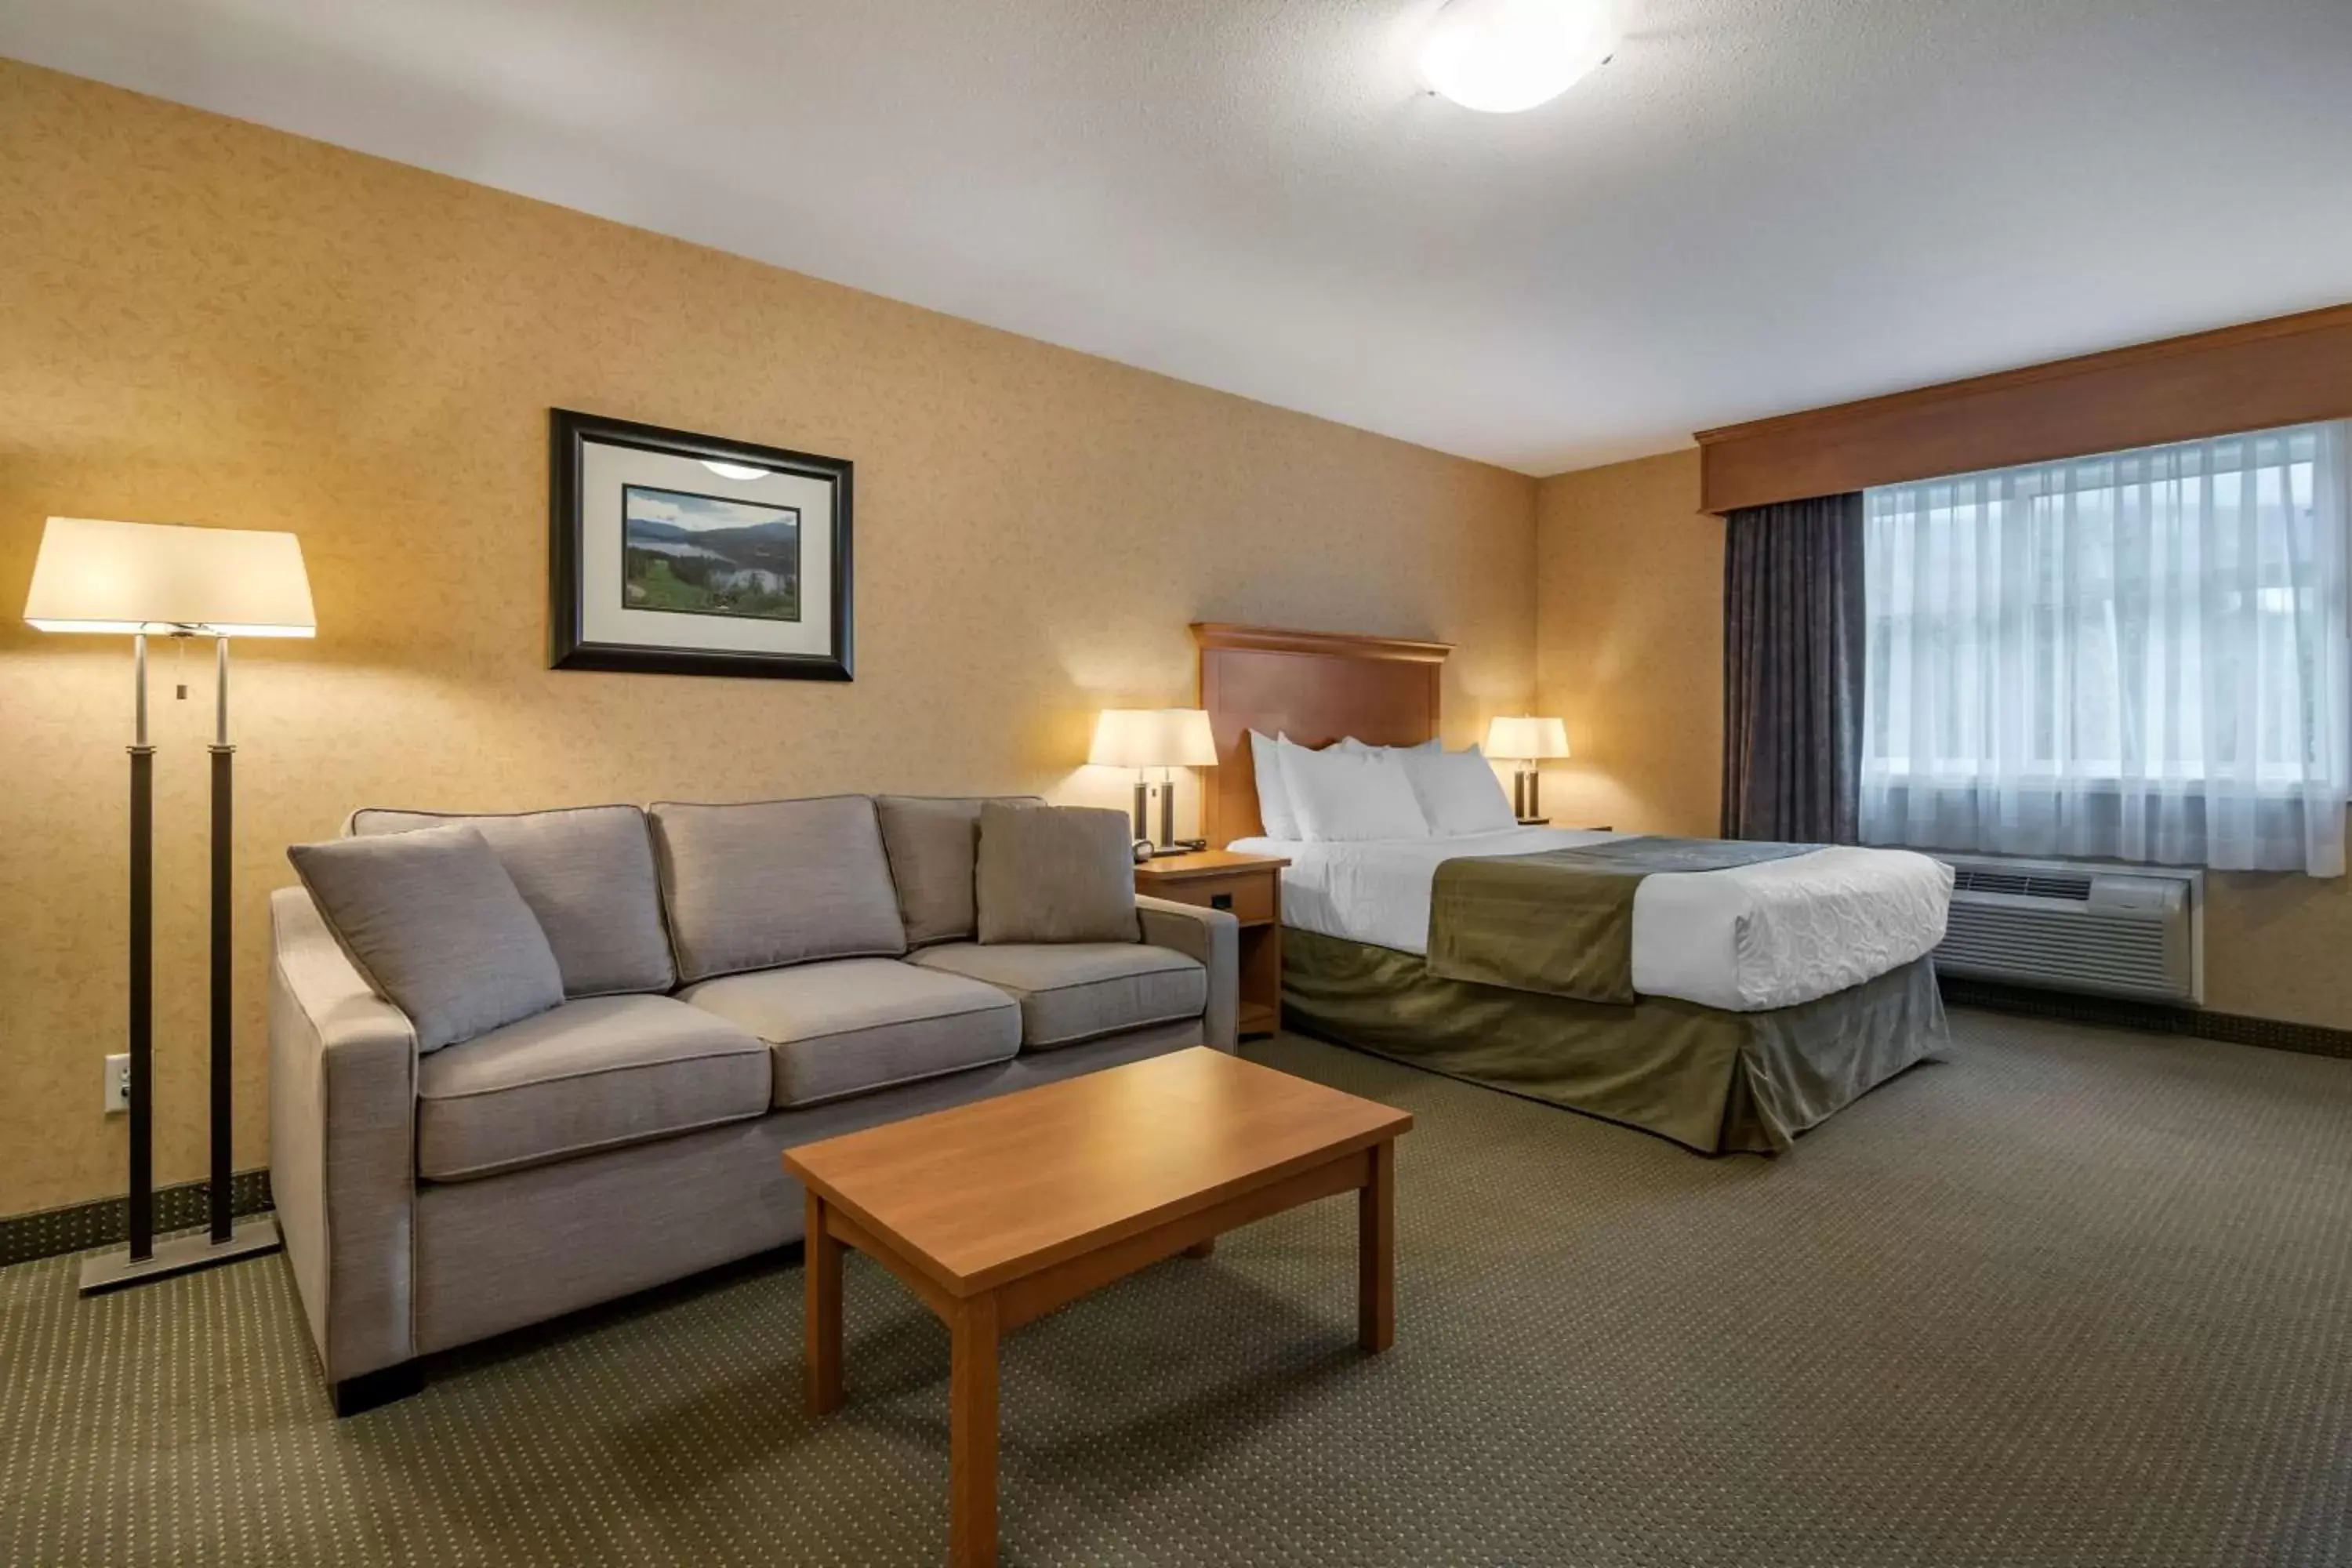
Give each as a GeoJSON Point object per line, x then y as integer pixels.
{"type": "Point", "coordinates": [672, 553]}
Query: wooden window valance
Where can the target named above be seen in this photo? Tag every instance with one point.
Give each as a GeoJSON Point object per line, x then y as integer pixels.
{"type": "Point", "coordinates": [2289, 370]}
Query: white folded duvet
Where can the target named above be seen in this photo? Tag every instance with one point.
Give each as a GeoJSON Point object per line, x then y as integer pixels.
{"type": "Point", "coordinates": [1749, 937]}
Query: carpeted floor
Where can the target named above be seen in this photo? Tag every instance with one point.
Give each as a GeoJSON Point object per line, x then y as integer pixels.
{"type": "Point", "coordinates": [2072, 1297]}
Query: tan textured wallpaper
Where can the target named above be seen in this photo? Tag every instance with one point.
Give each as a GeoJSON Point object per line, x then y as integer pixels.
{"type": "Point", "coordinates": [210, 322]}
{"type": "Point", "coordinates": [2275, 946]}
{"type": "Point", "coordinates": [1629, 594]}
{"type": "Point", "coordinates": [1630, 648]}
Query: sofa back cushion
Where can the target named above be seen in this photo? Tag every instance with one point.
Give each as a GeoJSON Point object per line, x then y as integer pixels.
{"type": "Point", "coordinates": [767, 883]}
{"type": "Point", "coordinates": [1056, 873]}
{"type": "Point", "coordinates": [436, 924]}
{"type": "Point", "coordinates": [588, 874]}
{"type": "Point", "coordinates": [933, 842]}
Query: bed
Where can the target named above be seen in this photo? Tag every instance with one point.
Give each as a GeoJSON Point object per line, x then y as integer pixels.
{"type": "Point", "coordinates": [1728, 997]}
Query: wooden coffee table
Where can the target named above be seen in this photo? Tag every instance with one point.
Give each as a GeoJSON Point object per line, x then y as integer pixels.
{"type": "Point", "coordinates": [1002, 1211]}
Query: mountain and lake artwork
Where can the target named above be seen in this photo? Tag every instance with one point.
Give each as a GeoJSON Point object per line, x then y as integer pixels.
{"type": "Point", "coordinates": [747, 573]}
{"type": "Point", "coordinates": [706, 555]}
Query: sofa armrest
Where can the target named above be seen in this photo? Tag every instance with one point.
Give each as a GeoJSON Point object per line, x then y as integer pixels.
{"type": "Point", "coordinates": [343, 1108]}
{"type": "Point", "coordinates": [1214, 937]}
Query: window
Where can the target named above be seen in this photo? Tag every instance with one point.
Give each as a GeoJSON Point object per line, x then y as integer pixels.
{"type": "Point", "coordinates": [2141, 655]}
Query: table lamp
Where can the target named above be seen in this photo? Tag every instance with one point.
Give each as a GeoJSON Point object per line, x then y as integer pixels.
{"type": "Point", "coordinates": [140, 580]}
{"type": "Point", "coordinates": [1146, 738]}
{"type": "Point", "coordinates": [1525, 741]}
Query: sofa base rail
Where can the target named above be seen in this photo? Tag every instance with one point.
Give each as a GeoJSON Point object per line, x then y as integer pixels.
{"type": "Point", "coordinates": [387, 1386]}
{"type": "Point", "coordinates": [370, 1390]}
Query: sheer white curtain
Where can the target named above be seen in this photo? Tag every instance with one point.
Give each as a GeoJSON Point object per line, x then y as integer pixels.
{"type": "Point", "coordinates": [2140, 655]}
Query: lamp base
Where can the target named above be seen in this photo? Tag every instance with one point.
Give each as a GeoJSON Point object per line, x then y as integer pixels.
{"type": "Point", "coordinates": [181, 1254]}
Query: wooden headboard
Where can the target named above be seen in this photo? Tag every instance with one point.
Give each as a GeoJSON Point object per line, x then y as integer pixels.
{"type": "Point", "coordinates": [1316, 688]}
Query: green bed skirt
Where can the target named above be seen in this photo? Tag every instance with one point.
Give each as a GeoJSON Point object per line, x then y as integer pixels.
{"type": "Point", "coordinates": [1714, 1081]}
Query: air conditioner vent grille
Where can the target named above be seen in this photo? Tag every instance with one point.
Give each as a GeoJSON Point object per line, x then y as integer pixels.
{"type": "Point", "coordinates": [2020, 884]}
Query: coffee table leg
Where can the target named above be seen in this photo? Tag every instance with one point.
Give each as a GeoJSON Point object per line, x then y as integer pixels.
{"type": "Point", "coordinates": [823, 1337]}
{"type": "Point", "coordinates": [1376, 1251]}
{"type": "Point", "coordinates": [971, 1434]}
{"type": "Point", "coordinates": [1201, 1248]}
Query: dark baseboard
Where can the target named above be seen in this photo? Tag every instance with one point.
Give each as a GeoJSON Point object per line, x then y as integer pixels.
{"type": "Point", "coordinates": [2151, 1017]}
{"type": "Point", "coordinates": [103, 1222]}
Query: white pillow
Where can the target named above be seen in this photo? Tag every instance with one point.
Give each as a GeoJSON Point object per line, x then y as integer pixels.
{"type": "Point", "coordinates": [1273, 799]}
{"type": "Point", "coordinates": [1349, 796]}
{"type": "Point", "coordinates": [1353, 744]}
{"type": "Point", "coordinates": [1458, 792]}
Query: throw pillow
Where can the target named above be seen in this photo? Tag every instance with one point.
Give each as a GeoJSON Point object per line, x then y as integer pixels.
{"type": "Point", "coordinates": [1055, 873]}
{"type": "Point", "coordinates": [933, 843]}
{"type": "Point", "coordinates": [436, 926]}
{"type": "Point", "coordinates": [587, 872]}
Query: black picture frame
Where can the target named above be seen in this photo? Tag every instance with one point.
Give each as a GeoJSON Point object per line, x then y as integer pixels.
{"type": "Point", "coordinates": [568, 649]}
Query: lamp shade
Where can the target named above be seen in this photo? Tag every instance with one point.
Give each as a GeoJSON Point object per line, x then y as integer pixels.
{"type": "Point", "coordinates": [1525, 739]}
{"type": "Point", "coordinates": [1153, 737]}
{"type": "Point", "coordinates": [166, 578]}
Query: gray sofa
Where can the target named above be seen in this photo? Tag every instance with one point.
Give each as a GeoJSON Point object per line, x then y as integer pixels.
{"type": "Point", "coordinates": [737, 979]}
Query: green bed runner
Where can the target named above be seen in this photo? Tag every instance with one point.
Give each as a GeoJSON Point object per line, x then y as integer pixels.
{"type": "Point", "coordinates": [1561, 920]}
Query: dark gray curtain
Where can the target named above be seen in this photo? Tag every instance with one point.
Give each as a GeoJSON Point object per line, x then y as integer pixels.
{"type": "Point", "coordinates": [1793, 671]}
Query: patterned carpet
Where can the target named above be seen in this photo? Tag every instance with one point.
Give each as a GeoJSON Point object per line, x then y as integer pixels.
{"type": "Point", "coordinates": [2072, 1296]}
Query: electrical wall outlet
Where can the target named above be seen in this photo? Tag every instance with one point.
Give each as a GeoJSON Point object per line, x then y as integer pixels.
{"type": "Point", "coordinates": [118, 1083]}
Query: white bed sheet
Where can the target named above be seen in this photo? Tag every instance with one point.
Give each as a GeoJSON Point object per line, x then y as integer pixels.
{"type": "Point", "coordinates": [1743, 939]}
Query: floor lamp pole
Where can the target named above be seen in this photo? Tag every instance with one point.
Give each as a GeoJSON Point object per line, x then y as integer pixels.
{"type": "Point", "coordinates": [224, 1240]}
{"type": "Point", "coordinates": [223, 987]}
{"type": "Point", "coordinates": [142, 968]}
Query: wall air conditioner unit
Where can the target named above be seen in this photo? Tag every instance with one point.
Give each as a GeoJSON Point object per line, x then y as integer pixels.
{"type": "Point", "coordinates": [2077, 926]}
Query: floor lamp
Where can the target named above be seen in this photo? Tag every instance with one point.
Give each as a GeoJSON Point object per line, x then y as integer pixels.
{"type": "Point", "coordinates": [143, 580]}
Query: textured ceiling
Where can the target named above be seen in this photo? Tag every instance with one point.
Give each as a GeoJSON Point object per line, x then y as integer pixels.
{"type": "Point", "coordinates": [1759, 205]}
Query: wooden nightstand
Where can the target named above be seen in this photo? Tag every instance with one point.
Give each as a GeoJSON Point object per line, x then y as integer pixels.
{"type": "Point", "coordinates": [1250, 886]}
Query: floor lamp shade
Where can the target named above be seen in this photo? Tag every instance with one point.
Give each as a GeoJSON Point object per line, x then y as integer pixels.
{"type": "Point", "coordinates": [163, 579]}
{"type": "Point", "coordinates": [143, 580]}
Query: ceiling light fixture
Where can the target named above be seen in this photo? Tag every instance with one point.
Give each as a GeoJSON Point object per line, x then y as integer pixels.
{"type": "Point", "coordinates": [1499, 57]}
{"type": "Point", "coordinates": [733, 470]}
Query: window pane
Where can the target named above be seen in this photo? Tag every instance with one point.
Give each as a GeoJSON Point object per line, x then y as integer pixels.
{"type": "Point", "coordinates": [2162, 622]}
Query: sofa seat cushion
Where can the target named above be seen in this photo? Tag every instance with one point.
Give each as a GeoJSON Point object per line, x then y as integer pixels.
{"type": "Point", "coordinates": [1075, 991]}
{"type": "Point", "coordinates": [857, 1024]}
{"type": "Point", "coordinates": [587, 1076]}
